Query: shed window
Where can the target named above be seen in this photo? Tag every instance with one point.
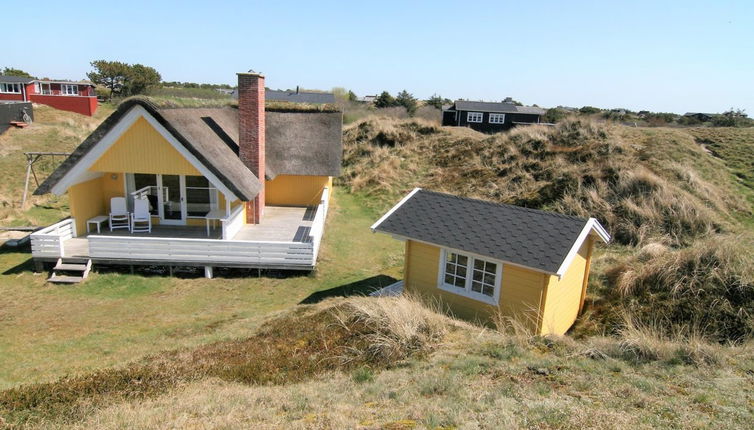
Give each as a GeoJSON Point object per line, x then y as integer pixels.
{"type": "Point", "coordinates": [497, 118]}
{"type": "Point", "coordinates": [474, 116]}
{"type": "Point", "coordinates": [470, 276]}
{"type": "Point", "coordinates": [70, 90]}
{"type": "Point", "coordinates": [10, 88]}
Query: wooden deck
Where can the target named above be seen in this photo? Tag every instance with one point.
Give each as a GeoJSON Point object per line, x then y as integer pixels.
{"type": "Point", "coordinates": [279, 224]}
{"type": "Point", "coordinates": [287, 238]}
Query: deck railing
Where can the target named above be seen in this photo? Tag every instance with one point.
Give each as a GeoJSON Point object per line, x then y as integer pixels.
{"type": "Point", "coordinates": [233, 223]}
{"type": "Point", "coordinates": [318, 224]}
{"type": "Point", "coordinates": [48, 242]}
{"type": "Point", "coordinates": [202, 251]}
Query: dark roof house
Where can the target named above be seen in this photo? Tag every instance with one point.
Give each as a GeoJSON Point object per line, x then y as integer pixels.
{"type": "Point", "coordinates": [490, 117]}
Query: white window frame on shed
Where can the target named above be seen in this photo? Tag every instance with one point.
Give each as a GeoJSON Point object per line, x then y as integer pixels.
{"type": "Point", "coordinates": [64, 89]}
{"type": "Point", "coordinates": [497, 118]}
{"type": "Point", "coordinates": [10, 88]}
{"type": "Point", "coordinates": [467, 291]}
{"type": "Point", "coordinates": [472, 117]}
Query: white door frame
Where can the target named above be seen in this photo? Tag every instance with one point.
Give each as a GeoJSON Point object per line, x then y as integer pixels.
{"type": "Point", "coordinates": [161, 203]}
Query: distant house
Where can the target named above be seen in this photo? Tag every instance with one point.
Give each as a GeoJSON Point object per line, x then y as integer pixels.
{"type": "Point", "coordinates": [490, 117]}
{"type": "Point", "coordinates": [368, 99]}
{"type": "Point", "coordinates": [703, 117]}
{"type": "Point", "coordinates": [480, 259]}
{"type": "Point", "coordinates": [210, 186]}
{"type": "Point", "coordinates": [71, 96]}
{"type": "Point", "coordinates": [297, 96]}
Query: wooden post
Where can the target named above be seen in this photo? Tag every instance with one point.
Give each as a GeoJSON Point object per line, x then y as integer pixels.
{"type": "Point", "coordinates": [31, 158]}
{"type": "Point", "coordinates": [208, 272]}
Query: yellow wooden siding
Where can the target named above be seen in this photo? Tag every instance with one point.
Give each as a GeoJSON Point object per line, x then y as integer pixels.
{"type": "Point", "coordinates": [141, 149]}
{"type": "Point", "coordinates": [110, 188]}
{"type": "Point", "coordinates": [564, 295]}
{"type": "Point", "coordinates": [520, 294]}
{"type": "Point", "coordinates": [86, 202]}
{"type": "Point", "coordinates": [289, 190]}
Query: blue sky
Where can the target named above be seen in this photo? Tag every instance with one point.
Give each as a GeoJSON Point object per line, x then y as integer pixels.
{"type": "Point", "coordinates": [657, 55]}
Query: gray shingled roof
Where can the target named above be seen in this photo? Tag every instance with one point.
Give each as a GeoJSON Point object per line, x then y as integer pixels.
{"type": "Point", "coordinates": [527, 237]}
{"type": "Point", "coordinates": [464, 105]}
{"type": "Point", "coordinates": [15, 79]}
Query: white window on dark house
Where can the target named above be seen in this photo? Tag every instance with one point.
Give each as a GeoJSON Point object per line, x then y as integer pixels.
{"type": "Point", "coordinates": [10, 88]}
{"type": "Point", "coordinates": [497, 118]}
{"type": "Point", "coordinates": [470, 276]}
{"type": "Point", "coordinates": [70, 90]}
{"type": "Point", "coordinates": [474, 116]}
{"type": "Point", "coordinates": [42, 88]}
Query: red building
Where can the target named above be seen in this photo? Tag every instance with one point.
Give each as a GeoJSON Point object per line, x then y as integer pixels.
{"type": "Point", "coordinates": [76, 97]}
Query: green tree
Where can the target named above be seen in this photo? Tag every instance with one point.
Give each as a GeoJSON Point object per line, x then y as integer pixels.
{"type": "Point", "coordinates": [384, 100]}
{"type": "Point", "coordinates": [408, 101]}
{"type": "Point", "coordinates": [352, 96]}
{"type": "Point", "coordinates": [437, 101]}
{"type": "Point", "coordinates": [140, 79]}
{"type": "Point", "coordinates": [10, 71]}
{"type": "Point", "coordinates": [553, 115]}
{"type": "Point", "coordinates": [588, 110]}
{"type": "Point", "coordinates": [111, 74]}
{"type": "Point", "coordinates": [732, 118]}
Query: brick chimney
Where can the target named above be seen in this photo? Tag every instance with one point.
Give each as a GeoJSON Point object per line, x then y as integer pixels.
{"type": "Point", "coordinates": [251, 132]}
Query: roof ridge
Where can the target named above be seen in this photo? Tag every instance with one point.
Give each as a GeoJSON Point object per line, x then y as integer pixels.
{"type": "Point", "coordinates": [506, 205]}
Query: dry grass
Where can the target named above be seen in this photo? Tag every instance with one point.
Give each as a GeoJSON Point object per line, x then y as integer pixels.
{"type": "Point", "coordinates": [578, 167]}
{"type": "Point", "coordinates": [335, 335]}
{"type": "Point", "coordinates": [709, 286]}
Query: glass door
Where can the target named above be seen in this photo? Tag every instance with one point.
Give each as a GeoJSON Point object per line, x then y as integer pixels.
{"type": "Point", "coordinates": [173, 199]}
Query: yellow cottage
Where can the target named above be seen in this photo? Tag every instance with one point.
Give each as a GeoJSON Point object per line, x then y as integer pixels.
{"type": "Point", "coordinates": [481, 259]}
{"type": "Point", "coordinates": [239, 186]}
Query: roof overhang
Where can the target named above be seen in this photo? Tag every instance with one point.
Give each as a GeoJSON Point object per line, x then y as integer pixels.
{"type": "Point", "coordinates": [592, 227]}
{"type": "Point", "coordinates": [80, 172]}
{"type": "Point", "coordinates": [393, 209]}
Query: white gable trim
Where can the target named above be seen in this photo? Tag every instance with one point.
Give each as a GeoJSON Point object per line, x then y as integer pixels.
{"type": "Point", "coordinates": [81, 168]}
{"type": "Point", "coordinates": [590, 226]}
{"type": "Point", "coordinates": [395, 208]}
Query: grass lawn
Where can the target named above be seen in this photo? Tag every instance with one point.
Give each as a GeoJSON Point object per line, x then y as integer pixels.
{"type": "Point", "coordinates": [47, 331]}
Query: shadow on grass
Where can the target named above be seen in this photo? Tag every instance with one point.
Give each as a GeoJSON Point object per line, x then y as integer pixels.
{"type": "Point", "coordinates": [25, 266]}
{"type": "Point", "coordinates": [358, 288]}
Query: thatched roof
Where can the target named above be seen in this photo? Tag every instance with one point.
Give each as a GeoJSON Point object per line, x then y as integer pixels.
{"type": "Point", "coordinates": [298, 143]}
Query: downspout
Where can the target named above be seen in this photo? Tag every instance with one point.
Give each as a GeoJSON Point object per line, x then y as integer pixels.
{"type": "Point", "coordinates": [23, 91]}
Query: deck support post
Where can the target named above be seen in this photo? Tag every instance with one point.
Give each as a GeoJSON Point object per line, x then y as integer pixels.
{"type": "Point", "coordinates": [38, 266]}
{"type": "Point", "coordinates": [208, 272]}
{"type": "Point", "coordinates": [170, 270]}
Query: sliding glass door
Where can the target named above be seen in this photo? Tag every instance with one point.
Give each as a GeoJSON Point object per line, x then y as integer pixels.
{"type": "Point", "coordinates": [173, 198]}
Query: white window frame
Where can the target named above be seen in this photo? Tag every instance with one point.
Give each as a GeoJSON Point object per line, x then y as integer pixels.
{"type": "Point", "coordinates": [466, 291]}
{"type": "Point", "coordinates": [65, 87]}
{"type": "Point", "coordinates": [497, 118]}
{"type": "Point", "coordinates": [469, 117]}
{"type": "Point", "coordinates": [44, 89]}
{"type": "Point", "coordinates": [4, 88]}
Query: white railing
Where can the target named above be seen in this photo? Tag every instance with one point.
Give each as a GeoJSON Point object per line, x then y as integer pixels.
{"type": "Point", "coordinates": [202, 251]}
{"type": "Point", "coordinates": [233, 223]}
{"type": "Point", "coordinates": [48, 242]}
{"type": "Point", "coordinates": [318, 224]}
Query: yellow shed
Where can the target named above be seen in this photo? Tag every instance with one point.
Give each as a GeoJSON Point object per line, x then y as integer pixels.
{"type": "Point", "coordinates": [481, 259]}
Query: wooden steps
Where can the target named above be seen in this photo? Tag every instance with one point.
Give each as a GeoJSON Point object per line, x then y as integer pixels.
{"type": "Point", "coordinates": [19, 124]}
{"type": "Point", "coordinates": [70, 270]}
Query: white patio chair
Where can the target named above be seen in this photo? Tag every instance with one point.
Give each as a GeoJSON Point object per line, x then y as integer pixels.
{"type": "Point", "coordinates": [141, 219]}
{"type": "Point", "coordinates": [118, 213]}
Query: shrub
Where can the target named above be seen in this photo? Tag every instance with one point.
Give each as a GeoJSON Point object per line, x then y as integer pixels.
{"type": "Point", "coordinates": [709, 286]}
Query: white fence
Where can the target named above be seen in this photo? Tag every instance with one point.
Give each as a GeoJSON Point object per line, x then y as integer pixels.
{"type": "Point", "coordinates": [205, 251]}
{"type": "Point", "coordinates": [233, 223]}
{"type": "Point", "coordinates": [318, 224]}
{"type": "Point", "coordinates": [48, 242]}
